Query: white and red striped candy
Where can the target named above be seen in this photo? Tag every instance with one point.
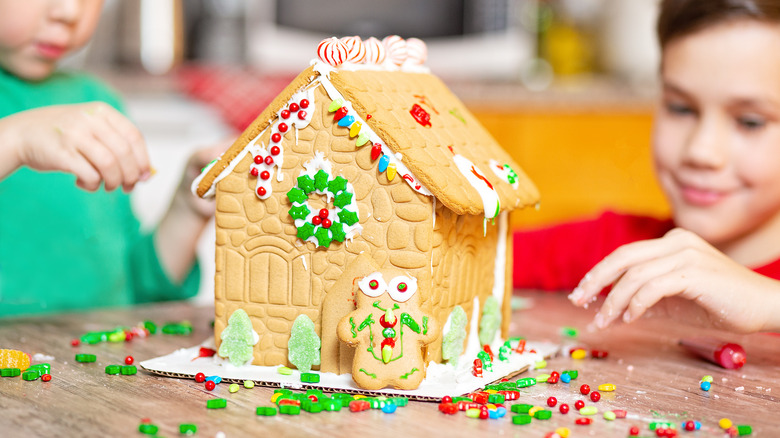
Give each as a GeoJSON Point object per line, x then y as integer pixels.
{"type": "Point", "coordinates": [417, 51]}
{"type": "Point", "coordinates": [375, 51]}
{"type": "Point", "coordinates": [332, 51]}
{"type": "Point", "coordinates": [356, 50]}
{"type": "Point", "coordinates": [396, 49]}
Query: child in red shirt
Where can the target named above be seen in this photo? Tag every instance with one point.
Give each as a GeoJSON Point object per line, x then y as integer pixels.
{"type": "Point", "coordinates": [716, 149]}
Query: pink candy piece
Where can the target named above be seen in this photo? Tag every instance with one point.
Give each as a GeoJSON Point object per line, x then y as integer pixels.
{"type": "Point", "coordinates": [396, 49]}
{"type": "Point", "coordinates": [332, 51]}
{"type": "Point", "coordinates": [356, 50]}
{"type": "Point", "coordinates": [417, 51]}
{"type": "Point", "coordinates": [375, 51]}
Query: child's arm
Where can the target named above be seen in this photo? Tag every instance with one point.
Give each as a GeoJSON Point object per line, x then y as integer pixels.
{"type": "Point", "coordinates": [717, 291]}
{"type": "Point", "coordinates": [93, 141]}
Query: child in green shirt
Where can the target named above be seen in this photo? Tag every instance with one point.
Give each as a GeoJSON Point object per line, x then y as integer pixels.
{"type": "Point", "coordinates": [66, 246]}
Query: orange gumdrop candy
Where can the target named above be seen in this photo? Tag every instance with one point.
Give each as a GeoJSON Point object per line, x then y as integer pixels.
{"type": "Point", "coordinates": [14, 359]}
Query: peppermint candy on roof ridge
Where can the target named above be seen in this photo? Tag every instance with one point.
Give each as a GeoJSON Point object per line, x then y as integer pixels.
{"type": "Point", "coordinates": [375, 51]}
{"type": "Point", "coordinates": [356, 50]}
{"type": "Point", "coordinates": [332, 51]}
{"type": "Point", "coordinates": [417, 51]}
{"type": "Point", "coordinates": [396, 49]}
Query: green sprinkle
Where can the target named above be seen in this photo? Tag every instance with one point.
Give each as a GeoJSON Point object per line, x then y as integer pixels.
{"type": "Point", "coordinates": [335, 105]}
{"type": "Point", "coordinates": [400, 401]}
{"type": "Point", "coordinates": [31, 375]}
{"type": "Point", "coordinates": [297, 195]}
{"type": "Point", "coordinates": [543, 414]}
{"type": "Point", "coordinates": [216, 403]}
{"type": "Point", "coordinates": [744, 429]}
{"type": "Point", "coordinates": [496, 398]}
{"type": "Point", "coordinates": [707, 378]}
{"type": "Point", "coordinates": [348, 217]}
{"type": "Point", "coordinates": [323, 236]}
{"type": "Point", "coordinates": [266, 411]}
{"type": "Point", "coordinates": [85, 358]}
{"type": "Point", "coordinates": [128, 370]}
{"type": "Point", "coordinates": [569, 332]}
{"type": "Point", "coordinates": [472, 412]}
{"type": "Point", "coordinates": [310, 377]}
{"type": "Point", "coordinates": [542, 377]}
{"type": "Point", "coordinates": [249, 384]}
{"type": "Point", "coordinates": [331, 405]}
{"type": "Point", "coordinates": [321, 180]}
{"type": "Point", "coordinates": [284, 371]}
{"type": "Point", "coordinates": [660, 424]}
{"type": "Point", "coordinates": [43, 368]}
{"type": "Point", "coordinates": [188, 429]}
{"type": "Point", "coordinates": [113, 369]}
{"type": "Point", "coordinates": [233, 388]}
{"type": "Point", "coordinates": [572, 373]}
{"type": "Point", "coordinates": [337, 184]}
{"type": "Point", "coordinates": [525, 382]}
{"type": "Point", "coordinates": [151, 326]}
{"type": "Point", "coordinates": [299, 212]}
{"type": "Point", "coordinates": [10, 372]}
{"type": "Point", "coordinates": [289, 410]}
{"type": "Point", "coordinates": [283, 391]}
{"type": "Point", "coordinates": [521, 419]}
{"type": "Point", "coordinates": [342, 199]}
{"type": "Point", "coordinates": [521, 408]}
{"type": "Point", "coordinates": [148, 429]}
{"type": "Point", "coordinates": [589, 410]}
{"type": "Point", "coordinates": [609, 415]}
{"type": "Point", "coordinates": [177, 328]}
{"type": "Point", "coordinates": [305, 231]}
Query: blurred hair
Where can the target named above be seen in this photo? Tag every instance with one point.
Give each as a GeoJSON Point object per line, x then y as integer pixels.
{"type": "Point", "coordinates": [682, 17]}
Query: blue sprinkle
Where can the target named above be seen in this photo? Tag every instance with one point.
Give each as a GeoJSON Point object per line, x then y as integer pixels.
{"type": "Point", "coordinates": [705, 386]}
{"type": "Point", "coordinates": [383, 162]}
{"type": "Point", "coordinates": [216, 379]}
{"type": "Point", "coordinates": [501, 411]}
{"type": "Point", "coordinates": [346, 121]}
{"type": "Point", "coordinates": [493, 414]}
{"type": "Point", "coordinates": [565, 378]}
{"type": "Point", "coordinates": [389, 408]}
{"type": "Point", "coordinates": [698, 424]}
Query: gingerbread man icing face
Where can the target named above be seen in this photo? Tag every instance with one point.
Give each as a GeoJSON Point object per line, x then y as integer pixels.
{"type": "Point", "coordinates": [389, 329]}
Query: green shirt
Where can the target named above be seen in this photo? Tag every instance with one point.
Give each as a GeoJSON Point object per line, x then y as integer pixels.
{"type": "Point", "coordinates": [63, 248]}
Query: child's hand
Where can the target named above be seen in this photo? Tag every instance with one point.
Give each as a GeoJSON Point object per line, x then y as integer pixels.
{"type": "Point", "coordinates": [92, 141]}
{"type": "Point", "coordinates": [197, 161]}
{"type": "Point", "coordinates": [720, 292]}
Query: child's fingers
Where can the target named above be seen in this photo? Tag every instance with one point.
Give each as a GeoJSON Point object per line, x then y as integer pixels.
{"type": "Point", "coordinates": [103, 160]}
{"type": "Point", "coordinates": [121, 149]}
{"type": "Point", "coordinates": [86, 176]}
{"type": "Point", "coordinates": [666, 285]}
{"type": "Point", "coordinates": [130, 133]}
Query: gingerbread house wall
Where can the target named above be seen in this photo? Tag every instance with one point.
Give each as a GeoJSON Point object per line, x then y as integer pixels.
{"type": "Point", "coordinates": [263, 268]}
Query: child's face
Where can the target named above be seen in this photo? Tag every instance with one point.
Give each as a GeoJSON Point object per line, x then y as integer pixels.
{"type": "Point", "coordinates": [717, 133]}
{"type": "Point", "coordinates": [36, 34]}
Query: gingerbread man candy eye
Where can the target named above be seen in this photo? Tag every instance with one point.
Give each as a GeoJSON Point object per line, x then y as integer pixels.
{"type": "Point", "coordinates": [373, 285]}
{"type": "Point", "coordinates": [402, 288]}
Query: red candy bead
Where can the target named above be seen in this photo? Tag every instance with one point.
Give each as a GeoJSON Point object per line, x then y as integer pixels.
{"type": "Point", "coordinates": [316, 220]}
{"type": "Point", "coordinates": [258, 159]}
{"type": "Point", "coordinates": [583, 421]}
{"type": "Point", "coordinates": [283, 127]}
{"type": "Point", "coordinates": [261, 191]}
{"type": "Point", "coordinates": [75, 342]}
{"type": "Point", "coordinates": [326, 223]}
{"type": "Point", "coordinates": [552, 401]}
{"type": "Point", "coordinates": [634, 431]}
{"type": "Point", "coordinates": [552, 379]}
{"type": "Point", "coordinates": [555, 374]}
{"type": "Point", "coordinates": [276, 138]}
{"type": "Point", "coordinates": [690, 425]}
{"type": "Point", "coordinates": [285, 115]}
{"type": "Point", "coordinates": [564, 408]}
{"type": "Point", "coordinates": [275, 150]}
{"type": "Point", "coordinates": [46, 377]}
{"type": "Point", "coordinates": [599, 354]}
{"type": "Point", "coordinates": [294, 107]}
{"type": "Point", "coordinates": [210, 385]}
{"type": "Point", "coordinates": [304, 103]}
{"type": "Point", "coordinates": [595, 396]}
{"type": "Point", "coordinates": [584, 389]}
{"type": "Point", "coordinates": [579, 404]}
{"type": "Point", "coordinates": [269, 160]}
{"type": "Point", "coordinates": [265, 174]}
{"type": "Point", "coordinates": [129, 360]}
{"type": "Point", "coordinates": [324, 213]}
{"type": "Point", "coordinates": [446, 398]}
{"type": "Point", "coordinates": [200, 378]}
{"type": "Point", "coordinates": [254, 171]}
{"type": "Point", "coordinates": [302, 115]}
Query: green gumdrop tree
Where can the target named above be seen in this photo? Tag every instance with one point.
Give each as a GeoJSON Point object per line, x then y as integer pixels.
{"type": "Point", "coordinates": [490, 322]}
{"type": "Point", "coordinates": [238, 339]}
{"type": "Point", "coordinates": [453, 343]}
{"type": "Point", "coordinates": [303, 349]}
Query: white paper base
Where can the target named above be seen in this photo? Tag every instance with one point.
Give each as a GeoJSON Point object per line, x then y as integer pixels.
{"type": "Point", "coordinates": [440, 379]}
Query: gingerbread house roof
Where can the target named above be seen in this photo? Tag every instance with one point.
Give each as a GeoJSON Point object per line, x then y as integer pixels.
{"type": "Point", "coordinates": [428, 129]}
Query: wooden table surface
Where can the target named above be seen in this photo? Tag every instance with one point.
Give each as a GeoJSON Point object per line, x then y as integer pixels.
{"type": "Point", "coordinates": [655, 381]}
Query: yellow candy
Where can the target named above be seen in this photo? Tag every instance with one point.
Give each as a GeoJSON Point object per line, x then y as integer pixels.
{"type": "Point", "coordinates": [358, 396]}
{"type": "Point", "coordinates": [542, 378]}
{"type": "Point", "coordinates": [563, 432]}
{"type": "Point", "coordinates": [541, 364]}
{"type": "Point", "coordinates": [391, 171]}
{"type": "Point", "coordinates": [14, 359]}
{"type": "Point", "coordinates": [355, 129]}
{"type": "Point", "coordinates": [275, 397]}
{"type": "Point", "coordinates": [607, 387]}
{"type": "Point", "coordinates": [579, 354]}
{"type": "Point", "coordinates": [725, 423]}
{"type": "Point", "coordinates": [534, 409]}
{"type": "Point", "coordinates": [489, 391]}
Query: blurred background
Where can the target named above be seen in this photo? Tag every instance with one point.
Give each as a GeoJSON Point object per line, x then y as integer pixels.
{"type": "Point", "coordinates": [568, 87]}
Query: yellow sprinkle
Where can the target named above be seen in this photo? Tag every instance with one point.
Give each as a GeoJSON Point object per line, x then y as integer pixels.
{"type": "Point", "coordinates": [355, 129]}
{"type": "Point", "coordinates": [233, 387]}
{"type": "Point", "coordinates": [152, 171]}
{"type": "Point", "coordinates": [491, 406]}
{"type": "Point", "coordinates": [358, 396]}
{"type": "Point", "coordinates": [541, 378]}
{"type": "Point", "coordinates": [541, 364]}
{"type": "Point", "coordinates": [725, 423]}
{"type": "Point", "coordinates": [563, 432]}
{"type": "Point", "coordinates": [707, 378]}
{"type": "Point", "coordinates": [275, 397]}
{"type": "Point", "coordinates": [249, 384]}
{"type": "Point", "coordinates": [607, 387]}
{"type": "Point", "coordinates": [534, 409]}
{"type": "Point", "coordinates": [491, 391]}
{"type": "Point", "coordinates": [391, 171]}
{"type": "Point", "coordinates": [579, 354]}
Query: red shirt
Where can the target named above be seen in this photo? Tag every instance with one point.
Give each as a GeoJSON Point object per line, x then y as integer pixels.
{"type": "Point", "coordinates": [556, 258]}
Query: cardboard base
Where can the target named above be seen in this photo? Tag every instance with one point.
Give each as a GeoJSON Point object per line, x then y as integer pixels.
{"type": "Point", "coordinates": [440, 379]}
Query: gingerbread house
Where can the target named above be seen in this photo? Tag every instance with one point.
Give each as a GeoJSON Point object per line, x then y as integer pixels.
{"type": "Point", "coordinates": [363, 155]}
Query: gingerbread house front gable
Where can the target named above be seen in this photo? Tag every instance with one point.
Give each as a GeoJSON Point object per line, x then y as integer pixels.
{"type": "Point", "coordinates": [401, 167]}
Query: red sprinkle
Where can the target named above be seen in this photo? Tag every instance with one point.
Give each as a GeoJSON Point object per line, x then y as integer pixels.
{"type": "Point", "coordinates": [316, 220]}
{"type": "Point", "coordinates": [261, 191]}
{"type": "Point", "coordinates": [129, 360]}
{"type": "Point", "coordinates": [294, 107]}
{"type": "Point", "coordinates": [690, 425]}
{"type": "Point", "coordinates": [324, 213]}
{"type": "Point", "coordinates": [599, 354]}
{"type": "Point", "coordinates": [276, 137]}
{"type": "Point", "coordinates": [595, 396]}
{"type": "Point", "coordinates": [583, 421]}
{"type": "Point", "coordinates": [302, 115]}
{"type": "Point", "coordinates": [446, 398]}
{"type": "Point", "coordinates": [258, 159]}
{"type": "Point", "coordinates": [46, 377]}
{"type": "Point", "coordinates": [285, 115]}
{"type": "Point", "coordinates": [619, 413]}
{"type": "Point", "coordinates": [200, 378]}
{"type": "Point", "coordinates": [359, 405]}
{"type": "Point", "coordinates": [304, 103]}
{"type": "Point", "coordinates": [579, 404]}
{"type": "Point", "coordinates": [75, 342]}
{"type": "Point", "coordinates": [265, 174]}
{"type": "Point", "coordinates": [326, 223]}
{"type": "Point", "coordinates": [275, 150]}
{"type": "Point", "coordinates": [283, 127]}
{"type": "Point", "coordinates": [634, 431]}
{"type": "Point", "coordinates": [552, 401]}
{"type": "Point", "coordinates": [269, 160]}
{"type": "Point", "coordinates": [552, 379]}
{"type": "Point", "coordinates": [584, 389]}
{"type": "Point", "coordinates": [564, 408]}
{"type": "Point", "coordinates": [254, 171]}
{"type": "Point", "coordinates": [448, 408]}
{"type": "Point", "coordinates": [210, 385]}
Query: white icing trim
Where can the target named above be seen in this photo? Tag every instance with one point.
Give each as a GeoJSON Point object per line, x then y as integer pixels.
{"type": "Point", "coordinates": [490, 202]}
{"type": "Point", "coordinates": [472, 345]}
{"type": "Point", "coordinates": [502, 171]}
{"type": "Point", "coordinates": [386, 65]}
{"type": "Point", "coordinates": [499, 269]}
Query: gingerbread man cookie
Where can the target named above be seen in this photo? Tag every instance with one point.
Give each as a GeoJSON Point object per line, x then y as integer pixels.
{"type": "Point", "coordinates": [389, 331]}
